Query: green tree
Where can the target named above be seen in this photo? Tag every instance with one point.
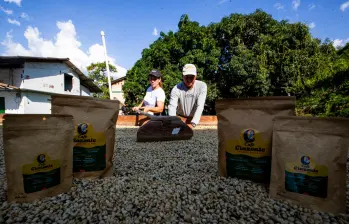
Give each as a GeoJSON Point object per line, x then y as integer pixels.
{"type": "Point", "coordinates": [249, 55]}
{"type": "Point", "coordinates": [261, 56]}
{"type": "Point", "coordinates": [169, 53]}
{"type": "Point", "coordinates": [98, 72]}
{"type": "Point", "coordinates": [329, 95]}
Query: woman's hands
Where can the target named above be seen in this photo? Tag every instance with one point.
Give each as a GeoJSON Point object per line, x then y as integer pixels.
{"type": "Point", "coordinates": [139, 106]}
{"type": "Point", "coordinates": [145, 109]}
{"type": "Point", "coordinates": [136, 108]}
{"type": "Point", "coordinates": [158, 109]}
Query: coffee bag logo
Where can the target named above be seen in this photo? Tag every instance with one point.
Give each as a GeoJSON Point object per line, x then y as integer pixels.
{"type": "Point", "coordinates": [306, 166]}
{"type": "Point", "coordinates": [41, 163]}
{"type": "Point", "coordinates": [249, 137]}
{"type": "Point", "coordinates": [82, 129]}
{"type": "Point", "coordinates": [250, 143]}
{"type": "Point", "coordinates": [84, 133]}
{"type": "Point", "coordinates": [41, 158]}
{"type": "Point", "coordinates": [305, 160]}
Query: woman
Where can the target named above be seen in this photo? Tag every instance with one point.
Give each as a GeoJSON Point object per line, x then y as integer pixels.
{"type": "Point", "coordinates": [154, 99]}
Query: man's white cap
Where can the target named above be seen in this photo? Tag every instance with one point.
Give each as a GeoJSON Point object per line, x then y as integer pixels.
{"type": "Point", "coordinates": [189, 69]}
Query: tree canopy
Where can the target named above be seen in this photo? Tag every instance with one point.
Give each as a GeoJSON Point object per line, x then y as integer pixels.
{"type": "Point", "coordinates": [97, 72]}
{"type": "Point", "coordinates": [249, 55]}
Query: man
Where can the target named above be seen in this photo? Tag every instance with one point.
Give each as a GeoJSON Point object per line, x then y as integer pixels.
{"type": "Point", "coordinates": [191, 94]}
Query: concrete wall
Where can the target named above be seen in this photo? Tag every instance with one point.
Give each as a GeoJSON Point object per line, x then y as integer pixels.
{"type": "Point", "coordinates": [117, 92]}
{"type": "Point", "coordinates": [48, 77]}
{"type": "Point", "coordinates": [37, 103]}
{"type": "Point", "coordinates": [26, 102]}
{"type": "Point", "coordinates": [11, 76]}
{"type": "Point", "coordinates": [84, 91]}
{"type": "Point", "coordinates": [43, 76]}
{"type": "Point", "coordinates": [133, 120]}
{"type": "Point", "coordinates": [14, 104]}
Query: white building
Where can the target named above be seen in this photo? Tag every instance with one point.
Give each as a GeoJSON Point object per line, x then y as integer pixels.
{"type": "Point", "coordinates": [27, 83]}
{"type": "Point", "coordinates": [116, 87]}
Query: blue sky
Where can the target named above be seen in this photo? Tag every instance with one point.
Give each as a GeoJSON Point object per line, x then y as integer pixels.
{"type": "Point", "coordinates": [129, 24]}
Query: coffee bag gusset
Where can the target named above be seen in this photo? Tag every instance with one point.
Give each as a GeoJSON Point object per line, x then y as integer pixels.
{"type": "Point", "coordinates": [245, 134]}
{"type": "Point", "coordinates": [94, 136]}
{"type": "Point", "coordinates": [309, 162]}
{"type": "Point", "coordinates": [38, 155]}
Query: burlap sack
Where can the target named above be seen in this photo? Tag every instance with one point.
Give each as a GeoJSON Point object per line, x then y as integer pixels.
{"type": "Point", "coordinates": [309, 162]}
{"type": "Point", "coordinates": [94, 135]}
{"type": "Point", "coordinates": [38, 155]}
{"type": "Point", "coordinates": [245, 134]}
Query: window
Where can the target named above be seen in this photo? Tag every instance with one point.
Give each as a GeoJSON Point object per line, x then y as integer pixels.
{"type": "Point", "coordinates": [2, 105]}
{"type": "Point", "coordinates": [68, 82]}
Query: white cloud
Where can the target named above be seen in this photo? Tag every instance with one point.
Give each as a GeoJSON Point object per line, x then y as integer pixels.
{"type": "Point", "coordinates": [344, 6]}
{"type": "Point", "coordinates": [312, 6]}
{"type": "Point", "coordinates": [296, 4]}
{"type": "Point", "coordinates": [64, 45]}
{"type": "Point", "coordinates": [222, 1]}
{"type": "Point", "coordinates": [14, 48]}
{"type": "Point", "coordinates": [13, 21]}
{"type": "Point", "coordinates": [155, 32]}
{"type": "Point", "coordinates": [24, 16]}
{"type": "Point", "coordinates": [279, 6]}
{"type": "Point", "coordinates": [7, 11]}
{"type": "Point", "coordinates": [17, 2]}
{"type": "Point", "coordinates": [340, 43]}
{"type": "Point", "coordinates": [312, 25]}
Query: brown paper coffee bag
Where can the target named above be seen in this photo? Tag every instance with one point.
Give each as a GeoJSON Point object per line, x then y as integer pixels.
{"type": "Point", "coordinates": [94, 136]}
{"type": "Point", "coordinates": [260, 100]}
{"type": "Point", "coordinates": [245, 134]}
{"type": "Point", "coordinates": [38, 155]}
{"type": "Point", "coordinates": [309, 162]}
